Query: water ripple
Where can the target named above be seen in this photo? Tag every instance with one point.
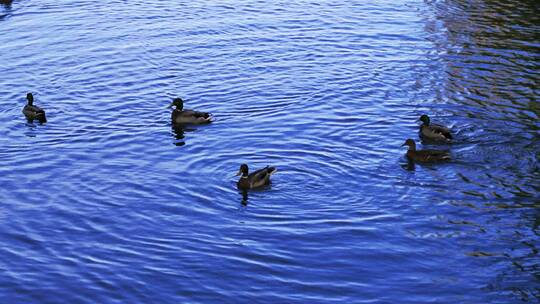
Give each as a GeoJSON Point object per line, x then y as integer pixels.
{"type": "Point", "coordinates": [109, 200]}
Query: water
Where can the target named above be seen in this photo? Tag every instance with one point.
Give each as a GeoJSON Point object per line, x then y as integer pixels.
{"type": "Point", "coordinates": [106, 203]}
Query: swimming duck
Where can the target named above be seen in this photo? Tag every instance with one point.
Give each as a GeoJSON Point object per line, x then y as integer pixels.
{"type": "Point", "coordinates": [181, 116]}
{"type": "Point", "coordinates": [33, 112]}
{"type": "Point", "coordinates": [424, 156]}
{"type": "Point", "coordinates": [433, 132]}
{"type": "Point", "coordinates": [256, 179]}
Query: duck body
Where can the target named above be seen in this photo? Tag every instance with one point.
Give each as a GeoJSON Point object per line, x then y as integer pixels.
{"type": "Point", "coordinates": [33, 112]}
{"type": "Point", "coordinates": [184, 116]}
{"type": "Point", "coordinates": [433, 132]}
{"type": "Point", "coordinates": [425, 156]}
{"type": "Point", "coordinates": [257, 179]}
{"type": "Point", "coordinates": [190, 117]}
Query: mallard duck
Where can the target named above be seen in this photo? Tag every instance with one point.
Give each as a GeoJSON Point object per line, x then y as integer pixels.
{"type": "Point", "coordinates": [424, 156]}
{"type": "Point", "coordinates": [33, 112]}
{"type": "Point", "coordinates": [256, 179]}
{"type": "Point", "coordinates": [433, 132]}
{"type": "Point", "coordinates": [181, 116]}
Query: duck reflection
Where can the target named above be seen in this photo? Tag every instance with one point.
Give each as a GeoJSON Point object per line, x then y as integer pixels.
{"type": "Point", "coordinates": [178, 131]}
{"type": "Point", "coordinates": [245, 197]}
{"type": "Point", "coordinates": [39, 120]}
{"type": "Point", "coordinates": [6, 4]}
{"type": "Point", "coordinates": [409, 165]}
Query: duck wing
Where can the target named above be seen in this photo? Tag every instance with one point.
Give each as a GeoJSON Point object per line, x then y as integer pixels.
{"type": "Point", "coordinates": [196, 114]}
{"type": "Point", "coordinates": [190, 117]}
{"type": "Point", "coordinates": [261, 177]}
{"type": "Point", "coordinates": [435, 133]}
{"type": "Point", "coordinates": [33, 111]}
{"type": "Point", "coordinates": [431, 155]}
{"type": "Point", "coordinates": [441, 130]}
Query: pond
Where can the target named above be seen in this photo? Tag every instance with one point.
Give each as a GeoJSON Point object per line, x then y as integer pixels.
{"type": "Point", "coordinates": [107, 202]}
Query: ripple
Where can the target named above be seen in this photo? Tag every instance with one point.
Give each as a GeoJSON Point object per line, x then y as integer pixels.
{"type": "Point", "coordinates": [108, 195]}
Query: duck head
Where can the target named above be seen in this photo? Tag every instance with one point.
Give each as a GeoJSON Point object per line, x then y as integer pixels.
{"type": "Point", "coordinates": [30, 98]}
{"type": "Point", "coordinates": [409, 142]}
{"type": "Point", "coordinates": [178, 103]}
{"type": "Point", "coordinates": [243, 170]}
{"type": "Point", "coordinates": [425, 119]}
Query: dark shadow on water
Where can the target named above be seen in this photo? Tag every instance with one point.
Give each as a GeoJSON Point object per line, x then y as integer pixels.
{"type": "Point", "coordinates": [491, 78]}
{"type": "Point", "coordinates": [245, 193]}
{"type": "Point", "coordinates": [32, 123]}
{"type": "Point", "coordinates": [6, 3]}
{"type": "Point", "coordinates": [5, 9]}
{"type": "Point", "coordinates": [32, 127]}
{"type": "Point", "coordinates": [245, 197]}
{"type": "Point", "coordinates": [178, 132]}
{"type": "Point", "coordinates": [41, 121]}
{"type": "Point", "coordinates": [408, 165]}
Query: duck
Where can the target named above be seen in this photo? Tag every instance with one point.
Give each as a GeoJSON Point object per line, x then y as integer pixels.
{"type": "Point", "coordinates": [425, 156]}
{"type": "Point", "coordinates": [257, 179]}
{"type": "Point", "coordinates": [183, 116]}
{"type": "Point", "coordinates": [433, 132]}
{"type": "Point", "coordinates": [33, 112]}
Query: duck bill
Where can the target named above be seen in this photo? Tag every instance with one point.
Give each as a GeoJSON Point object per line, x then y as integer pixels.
{"type": "Point", "coordinates": [238, 174]}
{"type": "Point", "coordinates": [171, 105]}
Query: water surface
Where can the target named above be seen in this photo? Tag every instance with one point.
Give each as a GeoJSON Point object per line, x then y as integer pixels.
{"type": "Point", "coordinates": [107, 203]}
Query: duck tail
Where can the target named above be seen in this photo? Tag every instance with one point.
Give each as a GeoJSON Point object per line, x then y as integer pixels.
{"type": "Point", "coordinates": [41, 118]}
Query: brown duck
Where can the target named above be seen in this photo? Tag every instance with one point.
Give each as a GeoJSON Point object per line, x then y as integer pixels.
{"type": "Point", "coordinates": [433, 132]}
{"type": "Point", "coordinates": [183, 116]}
{"type": "Point", "coordinates": [424, 156]}
{"type": "Point", "coordinates": [33, 112]}
{"type": "Point", "coordinates": [257, 179]}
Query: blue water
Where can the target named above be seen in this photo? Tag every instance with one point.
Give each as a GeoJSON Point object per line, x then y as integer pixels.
{"type": "Point", "coordinates": [107, 203]}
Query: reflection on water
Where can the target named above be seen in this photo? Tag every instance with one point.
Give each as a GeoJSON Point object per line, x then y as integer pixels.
{"type": "Point", "coordinates": [408, 165]}
{"type": "Point", "coordinates": [178, 133]}
{"type": "Point", "coordinates": [491, 79]}
{"type": "Point", "coordinates": [6, 3]}
{"type": "Point", "coordinates": [41, 120]}
{"type": "Point", "coordinates": [245, 197]}
{"type": "Point", "coordinates": [5, 8]}
{"type": "Point", "coordinates": [245, 193]}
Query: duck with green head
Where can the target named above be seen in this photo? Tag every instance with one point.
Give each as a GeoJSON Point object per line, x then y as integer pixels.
{"type": "Point", "coordinates": [433, 132]}
{"type": "Point", "coordinates": [33, 112]}
{"type": "Point", "coordinates": [257, 179]}
{"type": "Point", "coordinates": [424, 156]}
{"type": "Point", "coordinates": [183, 116]}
